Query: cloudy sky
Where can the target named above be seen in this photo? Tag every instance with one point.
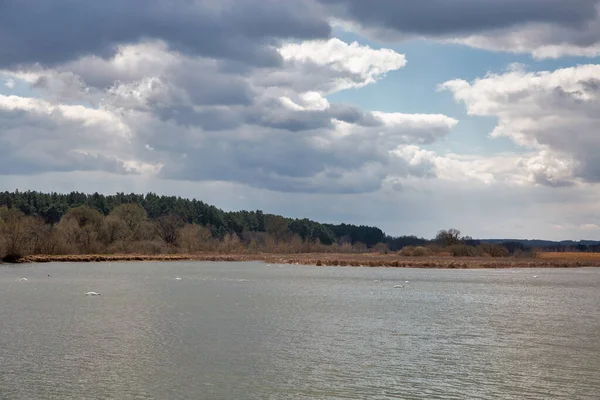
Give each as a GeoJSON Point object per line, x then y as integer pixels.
{"type": "Point", "coordinates": [413, 115]}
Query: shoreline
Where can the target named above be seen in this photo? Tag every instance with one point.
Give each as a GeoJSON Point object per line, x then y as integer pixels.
{"type": "Point", "coordinates": [332, 259]}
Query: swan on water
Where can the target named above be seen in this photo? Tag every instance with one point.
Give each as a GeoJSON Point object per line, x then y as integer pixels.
{"type": "Point", "coordinates": [178, 279]}
{"type": "Point", "coordinates": [92, 294]}
{"type": "Point", "coordinates": [398, 286]}
{"type": "Point", "coordinates": [23, 280]}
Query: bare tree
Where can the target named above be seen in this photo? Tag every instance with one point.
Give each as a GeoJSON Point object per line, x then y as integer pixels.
{"type": "Point", "coordinates": [277, 227]}
{"type": "Point", "coordinates": [167, 227]}
{"type": "Point", "coordinates": [449, 237]}
{"type": "Point", "coordinates": [115, 230]}
{"type": "Point", "coordinates": [15, 229]}
{"type": "Point", "coordinates": [133, 215]}
{"type": "Point", "coordinates": [193, 238]}
{"type": "Point", "coordinates": [80, 229]}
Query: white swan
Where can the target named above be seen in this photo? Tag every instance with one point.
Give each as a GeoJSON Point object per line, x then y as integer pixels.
{"type": "Point", "coordinates": [22, 280]}
{"type": "Point", "coordinates": [178, 279]}
{"type": "Point", "coordinates": [398, 286]}
{"type": "Point", "coordinates": [92, 294]}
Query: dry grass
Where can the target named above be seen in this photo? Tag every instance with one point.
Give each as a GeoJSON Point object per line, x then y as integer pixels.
{"type": "Point", "coordinates": [568, 256]}
{"type": "Point", "coordinates": [543, 260]}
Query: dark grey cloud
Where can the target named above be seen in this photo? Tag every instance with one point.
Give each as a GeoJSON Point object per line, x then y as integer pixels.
{"type": "Point", "coordinates": [447, 17]}
{"type": "Point", "coordinates": [284, 160]}
{"type": "Point", "coordinates": [52, 32]}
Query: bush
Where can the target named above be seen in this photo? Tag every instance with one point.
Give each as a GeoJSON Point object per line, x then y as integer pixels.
{"type": "Point", "coordinates": [412, 251]}
{"type": "Point", "coordinates": [420, 251]}
{"type": "Point", "coordinates": [406, 251]}
{"type": "Point", "coordinates": [494, 250]}
{"type": "Point", "coordinates": [436, 249]}
{"type": "Point", "coordinates": [462, 250]}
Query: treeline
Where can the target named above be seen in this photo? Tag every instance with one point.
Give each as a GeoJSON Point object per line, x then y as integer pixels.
{"type": "Point", "coordinates": [78, 223]}
{"type": "Point", "coordinates": [51, 207]}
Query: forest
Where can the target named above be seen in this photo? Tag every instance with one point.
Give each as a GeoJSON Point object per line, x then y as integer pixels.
{"type": "Point", "coordinates": [77, 223]}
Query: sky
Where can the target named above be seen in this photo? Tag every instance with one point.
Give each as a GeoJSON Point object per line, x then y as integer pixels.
{"type": "Point", "coordinates": [413, 116]}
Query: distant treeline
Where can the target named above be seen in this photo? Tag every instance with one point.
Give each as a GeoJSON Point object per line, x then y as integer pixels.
{"type": "Point", "coordinates": [52, 223]}
{"type": "Point", "coordinates": [51, 207]}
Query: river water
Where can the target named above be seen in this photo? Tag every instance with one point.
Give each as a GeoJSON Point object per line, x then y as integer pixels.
{"type": "Point", "coordinates": [259, 331]}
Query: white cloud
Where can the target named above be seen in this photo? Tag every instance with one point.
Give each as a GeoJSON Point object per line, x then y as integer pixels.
{"type": "Point", "coordinates": [39, 136]}
{"type": "Point", "coordinates": [350, 65]}
{"type": "Point", "coordinates": [9, 83]}
{"type": "Point", "coordinates": [551, 113]}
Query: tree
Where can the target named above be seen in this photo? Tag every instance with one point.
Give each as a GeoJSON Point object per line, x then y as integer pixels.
{"type": "Point", "coordinates": [114, 230]}
{"type": "Point", "coordinates": [193, 238]}
{"type": "Point", "coordinates": [84, 217]}
{"type": "Point", "coordinates": [448, 238]}
{"type": "Point", "coordinates": [80, 229]}
{"type": "Point", "coordinates": [168, 227]}
{"type": "Point", "coordinates": [14, 230]}
{"type": "Point", "coordinates": [133, 215]}
{"type": "Point", "coordinates": [277, 227]}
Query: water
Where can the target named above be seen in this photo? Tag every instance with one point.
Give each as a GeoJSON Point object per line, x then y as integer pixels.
{"type": "Point", "coordinates": [256, 331]}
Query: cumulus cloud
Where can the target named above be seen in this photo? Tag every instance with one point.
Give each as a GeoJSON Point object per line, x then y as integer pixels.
{"type": "Point", "coordinates": [553, 113]}
{"type": "Point", "coordinates": [37, 136]}
{"type": "Point", "coordinates": [348, 65]}
{"type": "Point", "coordinates": [266, 127]}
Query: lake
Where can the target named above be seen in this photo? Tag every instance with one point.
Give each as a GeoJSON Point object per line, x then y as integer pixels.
{"type": "Point", "coordinates": [258, 331]}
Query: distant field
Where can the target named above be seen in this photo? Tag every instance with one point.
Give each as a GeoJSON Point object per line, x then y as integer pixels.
{"type": "Point", "coordinates": [568, 256]}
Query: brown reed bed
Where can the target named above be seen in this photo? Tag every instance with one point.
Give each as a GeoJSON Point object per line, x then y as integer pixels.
{"type": "Point", "coordinates": [342, 260]}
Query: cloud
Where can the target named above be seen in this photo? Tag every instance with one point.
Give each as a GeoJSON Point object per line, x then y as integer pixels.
{"type": "Point", "coordinates": [552, 113]}
{"type": "Point", "coordinates": [347, 65]}
{"type": "Point", "coordinates": [266, 127]}
{"type": "Point", "coordinates": [506, 169]}
{"type": "Point", "coordinates": [9, 83]}
{"type": "Point", "coordinates": [544, 28]}
{"type": "Point", "coordinates": [37, 136]}
{"type": "Point", "coordinates": [251, 32]}
{"type": "Point", "coordinates": [38, 31]}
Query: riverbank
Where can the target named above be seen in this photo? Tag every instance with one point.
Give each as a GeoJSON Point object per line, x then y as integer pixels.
{"type": "Point", "coordinates": [544, 260]}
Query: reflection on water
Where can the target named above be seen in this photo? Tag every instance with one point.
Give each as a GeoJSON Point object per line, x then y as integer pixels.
{"type": "Point", "coordinates": [252, 331]}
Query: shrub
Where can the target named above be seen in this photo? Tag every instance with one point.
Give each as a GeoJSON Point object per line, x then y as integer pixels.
{"type": "Point", "coordinates": [406, 251]}
{"type": "Point", "coordinates": [420, 251]}
{"type": "Point", "coordinates": [412, 251]}
{"type": "Point", "coordinates": [462, 250]}
{"type": "Point", "coordinates": [494, 250]}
